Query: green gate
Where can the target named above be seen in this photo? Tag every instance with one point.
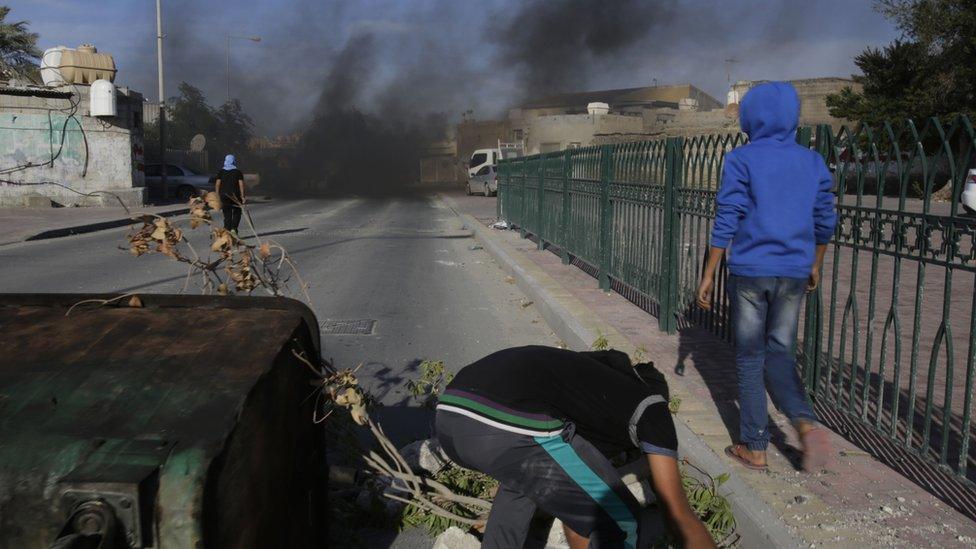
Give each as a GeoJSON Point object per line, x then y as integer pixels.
{"type": "Point", "coordinates": [889, 338]}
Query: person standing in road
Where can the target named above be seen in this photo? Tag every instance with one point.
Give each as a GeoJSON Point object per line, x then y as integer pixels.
{"type": "Point", "coordinates": [230, 189]}
{"type": "Point", "coordinates": [776, 210]}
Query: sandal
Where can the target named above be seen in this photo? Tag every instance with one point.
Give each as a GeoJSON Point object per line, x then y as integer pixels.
{"type": "Point", "coordinates": [732, 453]}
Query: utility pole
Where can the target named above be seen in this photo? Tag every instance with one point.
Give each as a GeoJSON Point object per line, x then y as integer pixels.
{"type": "Point", "coordinates": [162, 98]}
{"type": "Point", "coordinates": [728, 67]}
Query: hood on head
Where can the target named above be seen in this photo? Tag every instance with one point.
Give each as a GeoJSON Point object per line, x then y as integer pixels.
{"type": "Point", "coordinates": [770, 111]}
{"type": "Point", "coordinates": [230, 163]}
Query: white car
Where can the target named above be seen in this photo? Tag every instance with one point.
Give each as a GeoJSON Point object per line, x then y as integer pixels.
{"type": "Point", "coordinates": [969, 192]}
{"type": "Point", "coordinates": [485, 181]}
{"type": "Point", "coordinates": [181, 182]}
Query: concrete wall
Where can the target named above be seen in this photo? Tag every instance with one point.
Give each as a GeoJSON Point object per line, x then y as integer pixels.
{"type": "Point", "coordinates": [99, 154]}
{"type": "Point", "coordinates": [813, 93]}
{"type": "Point", "coordinates": [552, 133]}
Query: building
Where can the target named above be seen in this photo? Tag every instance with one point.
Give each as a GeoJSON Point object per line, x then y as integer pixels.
{"type": "Point", "coordinates": [438, 163]}
{"type": "Point", "coordinates": [564, 120]}
{"type": "Point", "coordinates": [50, 146]}
{"type": "Point", "coordinates": [623, 101]}
{"type": "Point", "coordinates": [813, 93]}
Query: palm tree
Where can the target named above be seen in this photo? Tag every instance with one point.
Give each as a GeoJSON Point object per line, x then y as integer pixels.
{"type": "Point", "coordinates": [18, 48]}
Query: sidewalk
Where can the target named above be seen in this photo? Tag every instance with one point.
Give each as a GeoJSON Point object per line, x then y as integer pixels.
{"type": "Point", "coordinates": [20, 224]}
{"type": "Point", "coordinates": [861, 502]}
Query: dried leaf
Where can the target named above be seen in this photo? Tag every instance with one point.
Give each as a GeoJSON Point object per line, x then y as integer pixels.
{"type": "Point", "coordinates": [222, 240]}
{"type": "Point", "coordinates": [134, 301]}
{"type": "Point", "coordinates": [264, 250]}
{"type": "Point", "coordinates": [195, 222]}
{"type": "Point", "coordinates": [213, 201]}
{"type": "Point", "coordinates": [222, 289]}
{"type": "Point", "coordinates": [358, 413]}
{"type": "Point", "coordinates": [159, 233]}
{"type": "Point", "coordinates": [167, 249]}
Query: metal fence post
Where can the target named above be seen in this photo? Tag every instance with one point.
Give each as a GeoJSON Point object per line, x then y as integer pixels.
{"type": "Point", "coordinates": [540, 207]}
{"type": "Point", "coordinates": [606, 175]}
{"type": "Point", "coordinates": [500, 192]}
{"type": "Point", "coordinates": [564, 226]}
{"type": "Point", "coordinates": [813, 318]}
{"type": "Point", "coordinates": [669, 250]}
{"type": "Point", "coordinates": [522, 231]}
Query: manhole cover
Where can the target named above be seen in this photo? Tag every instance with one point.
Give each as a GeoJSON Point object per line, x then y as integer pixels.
{"type": "Point", "coordinates": [348, 327]}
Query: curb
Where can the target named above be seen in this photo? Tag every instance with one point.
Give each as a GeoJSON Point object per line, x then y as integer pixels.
{"type": "Point", "coordinates": [100, 226]}
{"type": "Point", "coordinates": [758, 525]}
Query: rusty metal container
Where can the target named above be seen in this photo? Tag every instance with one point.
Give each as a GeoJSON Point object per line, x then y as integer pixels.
{"type": "Point", "coordinates": [176, 422]}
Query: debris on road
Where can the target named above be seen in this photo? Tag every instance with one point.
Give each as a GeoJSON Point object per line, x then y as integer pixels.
{"type": "Point", "coordinates": [475, 247]}
{"type": "Point", "coordinates": [503, 225]}
{"type": "Point", "coordinates": [456, 538]}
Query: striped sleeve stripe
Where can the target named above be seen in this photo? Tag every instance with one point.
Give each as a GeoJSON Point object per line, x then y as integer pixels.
{"type": "Point", "coordinates": [498, 425]}
{"type": "Point", "coordinates": [498, 415]}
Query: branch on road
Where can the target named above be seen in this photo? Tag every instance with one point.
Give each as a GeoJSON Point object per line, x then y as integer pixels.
{"type": "Point", "coordinates": [232, 266]}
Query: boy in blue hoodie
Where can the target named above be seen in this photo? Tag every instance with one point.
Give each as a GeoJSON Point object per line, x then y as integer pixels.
{"type": "Point", "coordinates": [776, 209]}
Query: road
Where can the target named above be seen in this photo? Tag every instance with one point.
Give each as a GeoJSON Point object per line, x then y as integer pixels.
{"type": "Point", "coordinates": [404, 262]}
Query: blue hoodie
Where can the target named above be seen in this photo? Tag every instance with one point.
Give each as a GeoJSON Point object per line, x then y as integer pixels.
{"type": "Point", "coordinates": [775, 201]}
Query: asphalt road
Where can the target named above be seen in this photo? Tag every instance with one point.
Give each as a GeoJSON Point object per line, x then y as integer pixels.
{"type": "Point", "coordinates": [406, 263]}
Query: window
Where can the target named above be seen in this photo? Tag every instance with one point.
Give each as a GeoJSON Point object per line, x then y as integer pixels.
{"type": "Point", "coordinates": [478, 159]}
{"type": "Point", "coordinates": [517, 134]}
{"type": "Point", "coordinates": [172, 171]}
{"type": "Point", "coordinates": [484, 171]}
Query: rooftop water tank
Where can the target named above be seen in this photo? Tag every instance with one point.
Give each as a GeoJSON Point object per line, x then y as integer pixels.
{"type": "Point", "coordinates": [101, 100]}
{"type": "Point", "coordinates": [598, 108]}
{"type": "Point", "coordinates": [61, 65]}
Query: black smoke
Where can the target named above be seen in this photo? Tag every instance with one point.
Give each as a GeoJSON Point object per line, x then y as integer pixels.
{"type": "Point", "coordinates": [554, 45]}
{"type": "Point", "coordinates": [367, 85]}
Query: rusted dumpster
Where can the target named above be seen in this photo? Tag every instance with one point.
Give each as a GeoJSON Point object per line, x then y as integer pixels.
{"type": "Point", "coordinates": [168, 421]}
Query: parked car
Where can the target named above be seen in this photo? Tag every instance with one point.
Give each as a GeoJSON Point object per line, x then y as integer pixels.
{"type": "Point", "coordinates": [181, 182]}
{"type": "Point", "coordinates": [485, 181]}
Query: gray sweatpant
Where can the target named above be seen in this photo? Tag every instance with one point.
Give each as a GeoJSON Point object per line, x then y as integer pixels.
{"type": "Point", "coordinates": [563, 475]}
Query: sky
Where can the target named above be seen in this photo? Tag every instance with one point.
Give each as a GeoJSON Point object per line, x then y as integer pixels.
{"type": "Point", "coordinates": [409, 58]}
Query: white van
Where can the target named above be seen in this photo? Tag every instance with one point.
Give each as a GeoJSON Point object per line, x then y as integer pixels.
{"type": "Point", "coordinates": [481, 158]}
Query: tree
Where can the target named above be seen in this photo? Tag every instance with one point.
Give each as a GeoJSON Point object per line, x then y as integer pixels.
{"type": "Point", "coordinates": [18, 48]}
{"type": "Point", "coordinates": [929, 71]}
{"type": "Point", "coordinates": [227, 129]}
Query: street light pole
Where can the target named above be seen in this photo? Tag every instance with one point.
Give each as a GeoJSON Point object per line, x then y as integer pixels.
{"type": "Point", "coordinates": [162, 97]}
{"type": "Point", "coordinates": [229, 36]}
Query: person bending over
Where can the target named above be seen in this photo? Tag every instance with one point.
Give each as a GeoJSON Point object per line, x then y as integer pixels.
{"type": "Point", "coordinates": [543, 421]}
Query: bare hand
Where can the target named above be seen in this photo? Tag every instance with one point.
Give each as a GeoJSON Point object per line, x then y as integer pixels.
{"type": "Point", "coordinates": [814, 281]}
{"type": "Point", "coordinates": [705, 293]}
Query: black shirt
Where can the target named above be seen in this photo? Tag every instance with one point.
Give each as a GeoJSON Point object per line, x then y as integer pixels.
{"type": "Point", "coordinates": [610, 405]}
{"type": "Point", "coordinates": [230, 189]}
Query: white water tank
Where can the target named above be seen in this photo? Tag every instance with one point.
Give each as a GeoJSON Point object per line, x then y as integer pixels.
{"type": "Point", "coordinates": [101, 100]}
{"type": "Point", "coordinates": [61, 65]}
{"type": "Point", "coordinates": [598, 108]}
{"type": "Point", "coordinates": [51, 66]}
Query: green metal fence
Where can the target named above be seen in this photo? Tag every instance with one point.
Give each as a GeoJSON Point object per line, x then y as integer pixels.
{"type": "Point", "coordinates": [889, 338]}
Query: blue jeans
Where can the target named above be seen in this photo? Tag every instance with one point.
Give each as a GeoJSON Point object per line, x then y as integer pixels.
{"type": "Point", "coordinates": [765, 311]}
